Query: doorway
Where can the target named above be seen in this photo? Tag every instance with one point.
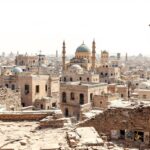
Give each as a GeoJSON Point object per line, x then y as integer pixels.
{"type": "Point", "coordinates": [122, 134]}
{"type": "Point", "coordinates": [66, 112]}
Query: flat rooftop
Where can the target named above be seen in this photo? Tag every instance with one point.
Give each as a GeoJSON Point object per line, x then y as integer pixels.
{"type": "Point", "coordinates": [120, 103]}
{"type": "Point", "coordinates": [84, 84]}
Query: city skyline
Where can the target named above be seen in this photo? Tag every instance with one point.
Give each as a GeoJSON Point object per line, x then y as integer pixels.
{"type": "Point", "coordinates": [118, 26]}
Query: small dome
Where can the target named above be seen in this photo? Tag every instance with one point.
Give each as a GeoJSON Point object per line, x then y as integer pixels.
{"type": "Point", "coordinates": [83, 48]}
{"type": "Point", "coordinates": [76, 69]}
{"type": "Point", "coordinates": [16, 70]}
{"type": "Point", "coordinates": [123, 65]}
{"type": "Point", "coordinates": [75, 66]}
{"type": "Point", "coordinates": [104, 52]}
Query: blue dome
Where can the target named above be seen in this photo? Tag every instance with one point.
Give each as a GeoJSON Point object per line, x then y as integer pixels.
{"type": "Point", "coordinates": [16, 70]}
{"type": "Point", "coordinates": [83, 48]}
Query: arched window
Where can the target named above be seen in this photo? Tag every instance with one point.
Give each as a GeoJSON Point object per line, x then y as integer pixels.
{"type": "Point", "coordinates": [88, 79]}
{"type": "Point", "coordinates": [102, 93]}
{"type": "Point", "coordinates": [64, 97]}
{"type": "Point", "coordinates": [91, 96]}
{"type": "Point", "coordinates": [72, 96]}
{"type": "Point", "coordinates": [80, 78]}
{"type": "Point", "coordinates": [12, 86]}
{"type": "Point", "coordinates": [81, 99]}
{"type": "Point", "coordinates": [23, 104]}
{"type": "Point", "coordinates": [70, 79]}
{"type": "Point", "coordinates": [22, 62]}
{"type": "Point", "coordinates": [64, 78]}
{"type": "Point", "coordinates": [41, 106]}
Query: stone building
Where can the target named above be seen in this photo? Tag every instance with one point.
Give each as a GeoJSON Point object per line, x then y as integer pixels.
{"type": "Point", "coordinates": [11, 80]}
{"type": "Point", "coordinates": [122, 90]}
{"type": "Point", "coordinates": [77, 73]}
{"type": "Point", "coordinates": [25, 60]}
{"type": "Point", "coordinates": [77, 97]}
{"type": "Point", "coordinates": [143, 91]}
{"type": "Point", "coordinates": [108, 73]}
{"type": "Point", "coordinates": [36, 87]}
{"type": "Point", "coordinates": [33, 87]}
{"type": "Point", "coordinates": [46, 103]}
{"type": "Point", "coordinates": [100, 101]}
{"type": "Point", "coordinates": [28, 60]}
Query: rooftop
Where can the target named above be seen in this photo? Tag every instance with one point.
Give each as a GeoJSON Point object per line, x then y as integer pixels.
{"type": "Point", "coordinates": [120, 103]}
{"type": "Point", "coordinates": [84, 84]}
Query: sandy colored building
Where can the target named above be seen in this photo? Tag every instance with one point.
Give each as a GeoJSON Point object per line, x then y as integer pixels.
{"type": "Point", "coordinates": [122, 90]}
{"type": "Point", "coordinates": [143, 91]}
{"type": "Point", "coordinates": [34, 87]}
{"type": "Point", "coordinates": [77, 97]}
{"type": "Point", "coordinates": [24, 60]}
{"type": "Point", "coordinates": [28, 60]}
{"type": "Point", "coordinates": [77, 73]}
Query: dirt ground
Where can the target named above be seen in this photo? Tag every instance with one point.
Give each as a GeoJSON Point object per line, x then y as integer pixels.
{"type": "Point", "coordinates": [26, 136]}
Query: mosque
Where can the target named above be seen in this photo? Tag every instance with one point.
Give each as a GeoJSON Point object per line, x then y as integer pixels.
{"type": "Point", "coordinates": [85, 60]}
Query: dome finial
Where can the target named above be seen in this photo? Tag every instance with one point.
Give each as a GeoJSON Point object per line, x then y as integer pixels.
{"type": "Point", "coordinates": [83, 42]}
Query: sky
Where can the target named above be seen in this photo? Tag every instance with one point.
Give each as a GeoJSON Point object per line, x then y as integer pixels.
{"type": "Point", "coordinates": [34, 25]}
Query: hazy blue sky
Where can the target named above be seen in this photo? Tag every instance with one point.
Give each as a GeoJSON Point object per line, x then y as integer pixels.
{"type": "Point", "coordinates": [116, 25]}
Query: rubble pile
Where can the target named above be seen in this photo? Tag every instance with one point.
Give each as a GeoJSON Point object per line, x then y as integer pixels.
{"type": "Point", "coordinates": [10, 99]}
{"type": "Point", "coordinates": [86, 136]}
{"type": "Point", "coordinates": [56, 120]}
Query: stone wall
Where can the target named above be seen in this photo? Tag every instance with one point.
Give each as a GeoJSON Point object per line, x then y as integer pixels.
{"type": "Point", "coordinates": [53, 123]}
{"type": "Point", "coordinates": [21, 117]}
{"type": "Point", "coordinates": [133, 118]}
{"type": "Point", "coordinates": [100, 101]}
